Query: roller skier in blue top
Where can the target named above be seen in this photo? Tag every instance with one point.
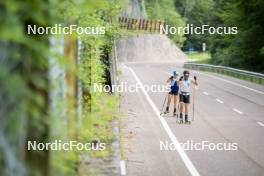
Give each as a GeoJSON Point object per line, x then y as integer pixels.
{"type": "Point", "coordinates": [174, 92]}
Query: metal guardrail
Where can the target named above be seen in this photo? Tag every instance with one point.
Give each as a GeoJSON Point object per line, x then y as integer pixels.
{"type": "Point", "coordinates": [242, 74]}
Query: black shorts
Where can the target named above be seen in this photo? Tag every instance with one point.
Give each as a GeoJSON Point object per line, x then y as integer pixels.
{"type": "Point", "coordinates": [184, 98]}
{"type": "Point", "coordinates": [174, 92]}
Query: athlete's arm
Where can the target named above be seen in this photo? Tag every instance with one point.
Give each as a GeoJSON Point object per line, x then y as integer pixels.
{"type": "Point", "coordinates": [194, 81]}
{"type": "Point", "coordinates": [169, 80]}
{"type": "Point", "coordinates": [181, 78]}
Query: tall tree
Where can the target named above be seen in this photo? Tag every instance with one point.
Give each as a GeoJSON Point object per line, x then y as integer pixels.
{"type": "Point", "coordinates": [196, 12]}
{"type": "Point", "coordinates": [244, 50]}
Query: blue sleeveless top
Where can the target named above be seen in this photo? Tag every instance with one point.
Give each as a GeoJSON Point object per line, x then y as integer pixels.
{"type": "Point", "coordinates": [174, 86]}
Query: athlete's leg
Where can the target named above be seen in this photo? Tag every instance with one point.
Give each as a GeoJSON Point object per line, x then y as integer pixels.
{"type": "Point", "coordinates": [168, 102]}
{"type": "Point", "coordinates": [181, 105]}
{"type": "Point", "coordinates": [187, 102]}
{"type": "Point", "coordinates": [175, 104]}
{"type": "Point", "coordinates": [176, 97]}
{"type": "Point", "coordinates": [186, 111]}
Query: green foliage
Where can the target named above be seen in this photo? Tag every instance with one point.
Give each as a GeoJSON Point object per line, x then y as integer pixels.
{"type": "Point", "coordinates": [243, 50]}
{"type": "Point", "coordinates": [165, 10]}
{"type": "Point", "coordinates": [24, 86]}
{"type": "Point", "coordinates": [199, 57]}
{"type": "Point", "coordinates": [196, 12]}
{"type": "Point", "coordinates": [23, 82]}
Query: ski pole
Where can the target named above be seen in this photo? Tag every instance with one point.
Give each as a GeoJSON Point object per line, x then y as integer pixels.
{"type": "Point", "coordinates": [193, 100]}
{"type": "Point", "coordinates": [193, 104]}
{"type": "Point", "coordinates": [163, 104]}
{"type": "Point", "coordinates": [178, 110]}
{"type": "Point", "coordinates": [195, 87]}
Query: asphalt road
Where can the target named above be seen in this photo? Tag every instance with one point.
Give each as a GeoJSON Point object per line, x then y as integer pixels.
{"type": "Point", "coordinates": [227, 110]}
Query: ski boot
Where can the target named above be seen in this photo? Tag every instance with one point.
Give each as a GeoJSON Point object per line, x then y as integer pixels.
{"type": "Point", "coordinates": [186, 120]}
{"type": "Point", "coordinates": [181, 119]}
{"type": "Point", "coordinates": [174, 112]}
{"type": "Point", "coordinates": [167, 110]}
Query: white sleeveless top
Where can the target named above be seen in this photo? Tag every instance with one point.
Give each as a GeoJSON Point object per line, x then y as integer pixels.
{"type": "Point", "coordinates": [185, 85]}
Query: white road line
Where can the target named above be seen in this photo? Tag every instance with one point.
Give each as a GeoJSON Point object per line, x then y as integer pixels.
{"type": "Point", "coordinates": [181, 152]}
{"type": "Point", "coordinates": [219, 101]}
{"type": "Point", "coordinates": [122, 167]}
{"type": "Point", "coordinates": [205, 93]}
{"type": "Point", "coordinates": [234, 83]}
{"type": "Point", "coordinates": [236, 110]}
{"type": "Point", "coordinates": [261, 124]}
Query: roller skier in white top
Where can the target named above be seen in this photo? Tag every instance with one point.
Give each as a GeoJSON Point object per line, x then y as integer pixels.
{"type": "Point", "coordinates": [185, 84]}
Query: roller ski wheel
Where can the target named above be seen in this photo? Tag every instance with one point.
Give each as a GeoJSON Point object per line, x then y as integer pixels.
{"type": "Point", "coordinates": [165, 112]}
{"type": "Point", "coordinates": [181, 121]}
{"type": "Point", "coordinates": [188, 122]}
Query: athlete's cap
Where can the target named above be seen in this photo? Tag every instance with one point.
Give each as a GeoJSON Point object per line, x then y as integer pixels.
{"type": "Point", "coordinates": [186, 72]}
{"type": "Point", "coordinates": [175, 73]}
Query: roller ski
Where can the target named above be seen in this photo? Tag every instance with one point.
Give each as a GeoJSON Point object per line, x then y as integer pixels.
{"type": "Point", "coordinates": [186, 120]}
{"type": "Point", "coordinates": [166, 111]}
{"type": "Point", "coordinates": [180, 119]}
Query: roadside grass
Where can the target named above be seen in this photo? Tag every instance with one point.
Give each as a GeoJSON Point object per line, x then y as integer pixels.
{"type": "Point", "coordinates": [122, 136]}
{"type": "Point", "coordinates": [98, 124]}
{"type": "Point", "coordinates": [199, 57]}
{"type": "Point", "coordinates": [94, 126]}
